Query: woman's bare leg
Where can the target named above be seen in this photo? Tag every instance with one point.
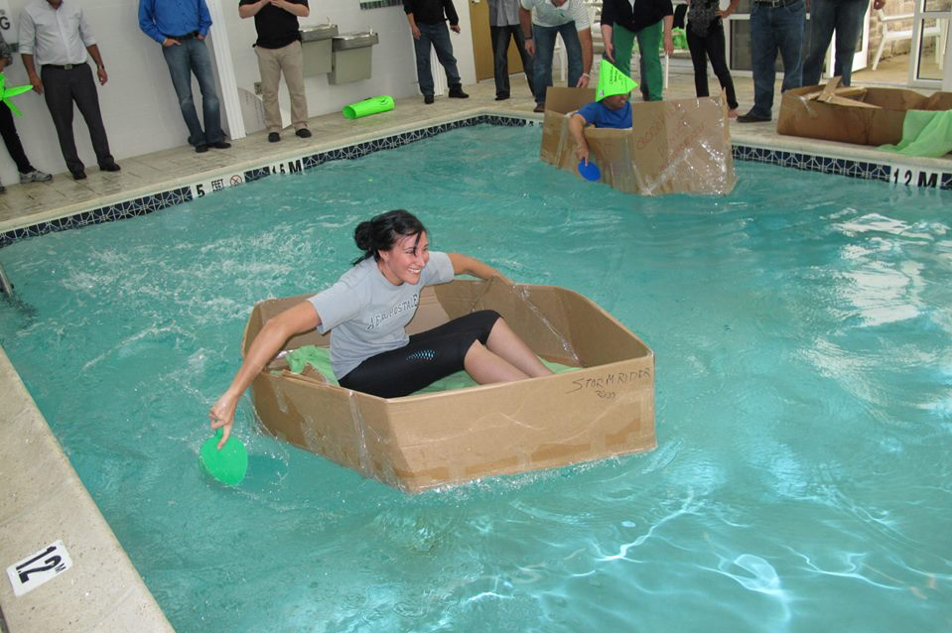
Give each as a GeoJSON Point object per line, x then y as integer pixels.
{"type": "Point", "coordinates": [486, 367]}
{"type": "Point", "coordinates": [507, 345]}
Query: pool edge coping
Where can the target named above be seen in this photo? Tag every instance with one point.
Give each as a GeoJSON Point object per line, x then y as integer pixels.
{"type": "Point", "coordinates": [44, 501]}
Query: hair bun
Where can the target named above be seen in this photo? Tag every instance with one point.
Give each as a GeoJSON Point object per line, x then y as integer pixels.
{"type": "Point", "coordinates": [364, 236]}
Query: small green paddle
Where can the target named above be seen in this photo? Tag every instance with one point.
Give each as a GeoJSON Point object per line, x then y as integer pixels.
{"type": "Point", "coordinates": [6, 93]}
{"type": "Point", "coordinates": [227, 465]}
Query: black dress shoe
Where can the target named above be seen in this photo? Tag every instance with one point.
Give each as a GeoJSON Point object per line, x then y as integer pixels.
{"type": "Point", "coordinates": [456, 92]}
{"type": "Point", "coordinates": [540, 107]}
{"type": "Point", "coordinates": [79, 175]}
{"type": "Point", "coordinates": [751, 118]}
{"type": "Point", "coordinates": [201, 149]}
{"type": "Point", "coordinates": [110, 167]}
{"type": "Point", "coordinates": [273, 137]}
{"type": "Point", "coordinates": [427, 99]}
{"type": "Point", "coordinates": [501, 97]}
{"type": "Point", "coordinates": [303, 133]}
{"type": "Point", "coordinates": [220, 145]}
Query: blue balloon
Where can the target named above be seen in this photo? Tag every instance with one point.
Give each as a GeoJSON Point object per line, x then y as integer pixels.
{"type": "Point", "coordinates": [589, 171]}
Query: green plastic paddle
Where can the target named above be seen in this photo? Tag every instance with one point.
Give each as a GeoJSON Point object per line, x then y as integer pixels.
{"type": "Point", "coordinates": [6, 93]}
{"type": "Point", "coordinates": [227, 465]}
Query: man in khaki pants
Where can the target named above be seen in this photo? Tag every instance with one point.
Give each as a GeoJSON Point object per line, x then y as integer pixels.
{"type": "Point", "coordinates": [279, 50]}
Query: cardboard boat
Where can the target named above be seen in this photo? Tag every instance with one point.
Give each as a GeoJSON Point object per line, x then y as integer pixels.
{"type": "Point", "coordinates": [673, 146]}
{"type": "Point", "coordinates": [418, 442]}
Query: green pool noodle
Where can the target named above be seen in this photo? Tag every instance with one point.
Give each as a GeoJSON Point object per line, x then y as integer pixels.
{"type": "Point", "coordinates": [227, 465]}
{"type": "Point", "coordinates": [373, 105]}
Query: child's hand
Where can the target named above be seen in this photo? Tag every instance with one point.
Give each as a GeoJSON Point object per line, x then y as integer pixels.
{"type": "Point", "coordinates": [581, 153]}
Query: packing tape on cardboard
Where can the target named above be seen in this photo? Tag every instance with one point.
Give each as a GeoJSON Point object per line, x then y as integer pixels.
{"type": "Point", "coordinates": [360, 433]}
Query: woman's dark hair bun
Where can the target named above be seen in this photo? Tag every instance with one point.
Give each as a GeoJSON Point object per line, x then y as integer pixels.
{"type": "Point", "coordinates": [383, 231]}
{"type": "Point", "coordinates": [363, 235]}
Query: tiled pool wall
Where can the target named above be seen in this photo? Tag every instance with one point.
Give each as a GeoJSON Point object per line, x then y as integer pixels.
{"type": "Point", "coordinates": [897, 174]}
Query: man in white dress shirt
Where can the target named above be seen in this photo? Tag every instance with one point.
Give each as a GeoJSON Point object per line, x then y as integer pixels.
{"type": "Point", "coordinates": [56, 34]}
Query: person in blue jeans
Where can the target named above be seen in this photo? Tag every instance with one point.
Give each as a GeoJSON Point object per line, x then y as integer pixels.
{"type": "Point", "coordinates": [180, 26]}
{"type": "Point", "coordinates": [775, 25]}
{"type": "Point", "coordinates": [427, 19]}
{"type": "Point", "coordinates": [845, 17]}
{"type": "Point", "coordinates": [541, 22]}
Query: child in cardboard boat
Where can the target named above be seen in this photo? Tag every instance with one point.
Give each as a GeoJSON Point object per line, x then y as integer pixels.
{"type": "Point", "coordinates": [609, 110]}
{"type": "Point", "coordinates": [367, 311]}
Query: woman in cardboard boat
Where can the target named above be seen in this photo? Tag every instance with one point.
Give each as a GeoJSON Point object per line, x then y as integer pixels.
{"type": "Point", "coordinates": [367, 311]}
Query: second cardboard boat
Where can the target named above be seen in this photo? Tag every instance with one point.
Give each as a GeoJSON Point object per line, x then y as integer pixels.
{"type": "Point", "coordinates": [418, 442]}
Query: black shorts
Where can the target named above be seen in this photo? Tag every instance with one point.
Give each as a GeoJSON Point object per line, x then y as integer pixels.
{"type": "Point", "coordinates": [428, 356]}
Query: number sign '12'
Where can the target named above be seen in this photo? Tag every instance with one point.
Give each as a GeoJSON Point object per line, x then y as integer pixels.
{"type": "Point", "coordinates": [38, 568]}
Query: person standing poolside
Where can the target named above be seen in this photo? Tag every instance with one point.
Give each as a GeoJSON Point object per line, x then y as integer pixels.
{"type": "Point", "coordinates": [367, 311]}
{"type": "Point", "coordinates": [279, 50]}
{"type": "Point", "coordinates": [845, 18]}
{"type": "Point", "coordinates": [57, 34]}
{"type": "Point", "coordinates": [775, 25]}
{"type": "Point", "coordinates": [181, 26]}
{"type": "Point", "coordinates": [428, 26]}
{"type": "Point", "coordinates": [542, 21]}
{"type": "Point", "coordinates": [622, 22]}
{"type": "Point", "coordinates": [503, 25]}
{"type": "Point", "coordinates": [8, 130]}
{"type": "Point", "coordinates": [705, 34]}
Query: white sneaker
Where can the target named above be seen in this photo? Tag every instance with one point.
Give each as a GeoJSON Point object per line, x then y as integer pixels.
{"type": "Point", "coordinates": [35, 176]}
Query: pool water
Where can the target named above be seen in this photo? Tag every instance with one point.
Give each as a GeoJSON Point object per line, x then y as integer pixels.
{"type": "Point", "coordinates": [803, 479]}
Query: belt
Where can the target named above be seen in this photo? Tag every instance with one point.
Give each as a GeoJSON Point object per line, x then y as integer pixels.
{"type": "Point", "coordinates": [64, 66]}
{"type": "Point", "coordinates": [182, 38]}
{"type": "Point", "coordinates": [775, 3]}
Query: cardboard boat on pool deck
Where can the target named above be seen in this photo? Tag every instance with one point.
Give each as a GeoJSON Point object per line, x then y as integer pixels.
{"type": "Point", "coordinates": [425, 441]}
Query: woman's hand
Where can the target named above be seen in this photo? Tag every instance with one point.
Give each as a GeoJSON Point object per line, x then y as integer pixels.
{"type": "Point", "coordinates": [222, 414]}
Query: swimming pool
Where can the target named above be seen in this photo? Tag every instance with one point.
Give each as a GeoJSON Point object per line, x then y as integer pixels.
{"type": "Point", "coordinates": [803, 410]}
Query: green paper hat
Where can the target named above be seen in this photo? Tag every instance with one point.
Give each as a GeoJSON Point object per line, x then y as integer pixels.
{"type": "Point", "coordinates": [6, 93]}
{"type": "Point", "coordinates": [612, 81]}
{"type": "Point", "coordinates": [227, 465]}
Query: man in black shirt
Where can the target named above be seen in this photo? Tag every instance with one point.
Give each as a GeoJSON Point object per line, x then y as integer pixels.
{"type": "Point", "coordinates": [279, 50]}
{"type": "Point", "coordinates": [428, 26]}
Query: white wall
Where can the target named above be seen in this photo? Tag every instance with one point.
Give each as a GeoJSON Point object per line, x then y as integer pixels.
{"type": "Point", "coordinates": [138, 103]}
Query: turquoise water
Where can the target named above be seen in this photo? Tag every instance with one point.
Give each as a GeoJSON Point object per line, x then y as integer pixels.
{"type": "Point", "coordinates": [804, 404]}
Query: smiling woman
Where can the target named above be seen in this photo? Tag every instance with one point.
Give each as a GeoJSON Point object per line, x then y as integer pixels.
{"type": "Point", "coordinates": [368, 310]}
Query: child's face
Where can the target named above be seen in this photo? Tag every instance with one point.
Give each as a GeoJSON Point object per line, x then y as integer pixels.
{"type": "Point", "coordinates": [615, 102]}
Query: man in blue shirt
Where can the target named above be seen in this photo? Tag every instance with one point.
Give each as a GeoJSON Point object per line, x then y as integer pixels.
{"type": "Point", "coordinates": [180, 26]}
{"type": "Point", "coordinates": [610, 109]}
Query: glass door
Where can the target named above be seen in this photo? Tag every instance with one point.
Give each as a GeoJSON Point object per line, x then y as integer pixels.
{"type": "Point", "coordinates": [930, 39]}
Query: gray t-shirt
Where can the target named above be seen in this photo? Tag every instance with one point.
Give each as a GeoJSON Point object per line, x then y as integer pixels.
{"type": "Point", "coordinates": [368, 314]}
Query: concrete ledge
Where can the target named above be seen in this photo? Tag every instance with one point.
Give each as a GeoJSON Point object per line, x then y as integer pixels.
{"type": "Point", "coordinates": [42, 500]}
